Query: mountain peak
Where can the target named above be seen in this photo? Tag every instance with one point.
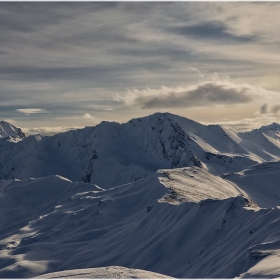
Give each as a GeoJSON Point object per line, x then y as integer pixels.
{"type": "Point", "coordinates": [272, 127]}
{"type": "Point", "coordinates": [10, 132]}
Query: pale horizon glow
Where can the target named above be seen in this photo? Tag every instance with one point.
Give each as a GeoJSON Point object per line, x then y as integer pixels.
{"type": "Point", "coordinates": [71, 65]}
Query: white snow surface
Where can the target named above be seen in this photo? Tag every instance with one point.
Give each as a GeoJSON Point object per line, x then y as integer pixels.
{"type": "Point", "coordinates": [10, 132]}
{"type": "Point", "coordinates": [260, 183]}
{"type": "Point", "coordinates": [133, 150]}
{"type": "Point", "coordinates": [160, 194]}
{"type": "Point", "coordinates": [109, 272]}
{"type": "Point", "coordinates": [194, 184]}
{"type": "Point", "coordinates": [52, 224]}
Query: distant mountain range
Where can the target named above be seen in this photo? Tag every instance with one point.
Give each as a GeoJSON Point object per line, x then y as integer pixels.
{"type": "Point", "coordinates": [155, 197]}
{"type": "Point", "coordinates": [111, 154]}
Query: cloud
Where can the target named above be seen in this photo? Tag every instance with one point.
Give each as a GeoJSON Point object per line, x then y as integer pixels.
{"type": "Point", "coordinates": [246, 124]}
{"type": "Point", "coordinates": [264, 109]}
{"type": "Point", "coordinates": [275, 109]}
{"type": "Point", "coordinates": [210, 76]}
{"type": "Point", "coordinates": [28, 111]}
{"type": "Point", "coordinates": [11, 121]}
{"type": "Point", "coordinates": [47, 131]}
{"type": "Point", "coordinates": [88, 117]}
{"type": "Point", "coordinates": [267, 109]}
{"type": "Point", "coordinates": [211, 30]}
{"type": "Point", "coordinates": [208, 93]}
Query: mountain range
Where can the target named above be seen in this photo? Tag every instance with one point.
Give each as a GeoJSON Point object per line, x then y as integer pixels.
{"type": "Point", "coordinates": [155, 197]}
{"type": "Point", "coordinates": [133, 150]}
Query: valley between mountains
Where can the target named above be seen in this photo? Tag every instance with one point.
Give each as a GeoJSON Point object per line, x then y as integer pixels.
{"type": "Point", "coordinates": [157, 197]}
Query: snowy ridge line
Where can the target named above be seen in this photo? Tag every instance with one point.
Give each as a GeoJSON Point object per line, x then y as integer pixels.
{"type": "Point", "coordinates": [111, 154]}
{"type": "Point", "coordinates": [193, 184]}
{"type": "Point", "coordinates": [56, 222]}
{"type": "Point", "coordinates": [260, 183]}
{"type": "Point", "coordinates": [177, 198]}
{"type": "Point", "coordinates": [10, 133]}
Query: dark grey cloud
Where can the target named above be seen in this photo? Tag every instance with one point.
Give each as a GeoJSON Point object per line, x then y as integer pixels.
{"type": "Point", "coordinates": [269, 109]}
{"type": "Point", "coordinates": [275, 109]}
{"type": "Point", "coordinates": [264, 109]}
{"type": "Point", "coordinates": [212, 30]}
{"type": "Point", "coordinates": [205, 94]}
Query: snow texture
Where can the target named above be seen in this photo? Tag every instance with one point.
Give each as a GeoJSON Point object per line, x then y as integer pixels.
{"type": "Point", "coordinates": [131, 151]}
{"type": "Point", "coordinates": [52, 224]}
{"type": "Point", "coordinates": [155, 197]}
{"type": "Point", "coordinates": [109, 272]}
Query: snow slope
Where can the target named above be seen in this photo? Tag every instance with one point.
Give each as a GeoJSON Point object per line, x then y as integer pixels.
{"type": "Point", "coordinates": [52, 224]}
{"type": "Point", "coordinates": [109, 272]}
{"type": "Point", "coordinates": [10, 132]}
{"type": "Point", "coordinates": [111, 154]}
{"type": "Point", "coordinates": [194, 185]}
{"type": "Point", "coordinates": [260, 182]}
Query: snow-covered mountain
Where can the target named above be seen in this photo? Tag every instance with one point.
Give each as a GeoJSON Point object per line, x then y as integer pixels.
{"type": "Point", "coordinates": [260, 182]}
{"type": "Point", "coordinates": [10, 132]}
{"type": "Point", "coordinates": [155, 197]}
{"type": "Point", "coordinates": [173, 222]}
{"type": "Point", "coordinates": [111, 154]}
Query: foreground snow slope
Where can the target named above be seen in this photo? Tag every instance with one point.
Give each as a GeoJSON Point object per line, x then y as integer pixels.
{"type": "Point", "coordinates": [109, 272]}
{"type": "Point", "coordinates": [52, 224]}
{"type": "Point", "coordinates": [111, 154]}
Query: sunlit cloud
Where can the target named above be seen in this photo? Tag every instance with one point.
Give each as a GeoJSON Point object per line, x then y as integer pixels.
{"type": "Point", "coordinates": [88, 117]}
{"type": "Point", "coordinates": [246, 124]}
{"type": "Point", "coordinates": [204, 94]}
{"type": "Point", "coordinates": [28, 111]}
{"type": "Point", "coordinates": [47, 131]}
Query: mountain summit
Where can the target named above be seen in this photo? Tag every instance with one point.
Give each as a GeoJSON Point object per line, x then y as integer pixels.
{"type": "Point", "coordinates": [10, 132]}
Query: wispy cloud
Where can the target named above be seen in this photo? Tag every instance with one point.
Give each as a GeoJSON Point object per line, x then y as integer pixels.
{"type": "Point", "coordinates": [47, 131]}
{"type": "Point", "coordinates": [28, 111]}
{"type": "Point", "coordinates": [71, 57]}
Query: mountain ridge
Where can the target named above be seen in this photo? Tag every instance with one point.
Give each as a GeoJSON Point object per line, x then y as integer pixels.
{"type": "Point", "coordinates": [135, 149]}
{"type": "Point", "coordinates": [161, 193]}
{"type": "Point", "coordinates": [136, 225]}
{"type": "Point", "coordinates": [10, 133]}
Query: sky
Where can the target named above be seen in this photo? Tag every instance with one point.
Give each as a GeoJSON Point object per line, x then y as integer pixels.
{"type": "Point", "coordinates": [75, 64]}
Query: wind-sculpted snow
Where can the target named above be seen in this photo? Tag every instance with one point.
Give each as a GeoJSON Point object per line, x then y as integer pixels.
{"type": "Point", "coordinates": [111, 154]}
{"type": "Point", "coordinates": [194, 185]}
{"type": "Point", "coordinates": [111, 272]}
{"type": "Point", "coordinates": [52, 224]}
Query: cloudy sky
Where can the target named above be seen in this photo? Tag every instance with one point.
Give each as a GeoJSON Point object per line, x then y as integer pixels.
{"type": "Point", "coordinates": [66, 65]}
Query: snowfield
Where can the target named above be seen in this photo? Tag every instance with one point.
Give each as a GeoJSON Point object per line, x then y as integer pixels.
{"type": "Point", "coordinates": [158, 197]}
{"type": "Point", "coordinates": [109, 272]}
